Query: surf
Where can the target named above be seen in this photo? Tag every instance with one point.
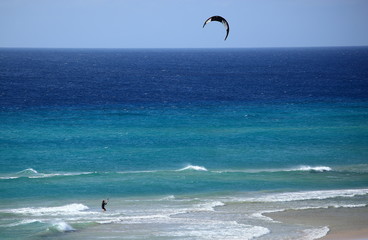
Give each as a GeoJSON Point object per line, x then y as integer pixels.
{"type": "Point", "coordinates": [32, 173]}
{"type": "Point", "coordinates": [69, 209]}
{"type": "Point", "coordinates": [312, 169]}
{"type": "Point", "coordinates": [193, 168]}
{"type": "Point", "coordinates": [307, 195]}
{"type": "Point", "coordinates": [60, 226]}
{"type": "Point", "coordinates": [302, 168]}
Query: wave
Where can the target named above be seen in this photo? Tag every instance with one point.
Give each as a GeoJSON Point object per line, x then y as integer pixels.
{"type": "Point", "coordinates": [61, 174]}
{"type": "Point", "coordinates": [210, 229]}
{"type": "Point", "coordinates": [208, 206]}
{"type": "Point", "coordinates": [312, 169]}
{"type": "Point", "coordinates": [54, 226]}
{"type": "Point", "coordinates": [28, 171]}
{"type": "Point", "coordinates": [60, 226]}
{"type": "Point", "coordinates": [31, 173]}
{"type": "Point", "coordinates": [202, 228]}
{"type": "Point", "coordinates": [329, 206]}
{"type": "Point", "coordinates": [135, 172]}
{"type": "Point", "coordinates": [167, 198]}
{"type": "Point", "coordinates": [261, 215]}
{"type": "Point", "coordinates": [315, 233]}
{"type": "Point", "coordinates": [70, 209]}
{"type": "Point", "coordinates": [303, 168]}
{"type": "Point", "coordinates": [193, 167]}
{"type": "Point", "coordinates": [8, 178]}
{"type": "Point", "coordinates": [22, 222]}
{"type": "Point", "coordinates": [308, 195]}
{"type": "Point", "coordinates": [350, 205]}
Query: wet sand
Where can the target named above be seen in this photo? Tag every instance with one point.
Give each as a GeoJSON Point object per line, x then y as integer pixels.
{"type": "Point", "coordinates": [344, 223]}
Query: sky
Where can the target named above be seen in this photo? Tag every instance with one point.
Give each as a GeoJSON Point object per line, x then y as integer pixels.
{"type": "Point", "coordinates": [178, 23]}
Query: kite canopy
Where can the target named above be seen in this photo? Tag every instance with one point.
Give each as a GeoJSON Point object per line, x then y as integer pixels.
{"type": "Point", "coordinates": [219, 19]}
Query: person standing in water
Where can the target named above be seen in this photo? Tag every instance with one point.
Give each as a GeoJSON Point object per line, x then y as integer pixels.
{"type": "Point", "coordinates": [104, 203]}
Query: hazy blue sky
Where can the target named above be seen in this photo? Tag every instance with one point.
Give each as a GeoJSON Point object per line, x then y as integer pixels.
{"type": "Point", "coordinates": [178, 23]}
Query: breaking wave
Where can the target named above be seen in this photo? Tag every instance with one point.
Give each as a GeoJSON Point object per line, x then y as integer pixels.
{"type": "Point", "coordinates": [261, 214]}
{"type": "Point", "coordinates": [303, 168]}
{"type": "Point", "coordinates": [32, 173]}
{"type": "Point", "coordinates": [193, 167]}
{"type": "Point", "coordinates": [313, 169]}
{"type": "Point", "coordinates": [60, 226]}
{"type": "Point", "coordinates": [308, 195]}
{"type": "Point", "coordinates": [70, 209]}
{"type": "Point", "coordinates": [22, 222]}
{"type": "Point", "coordinates": [315, 233]}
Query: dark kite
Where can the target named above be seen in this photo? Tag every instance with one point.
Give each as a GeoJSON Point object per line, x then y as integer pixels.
{"type": "Point", "coordinates": [219, 19]}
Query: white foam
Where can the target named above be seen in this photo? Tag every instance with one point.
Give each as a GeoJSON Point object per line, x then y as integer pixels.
{"type": "Point", "coordinates": [24, 173]}
{"type": "Point", "coordinates": [137, 219]}
{"type": "Point", "coordinates": [9, 177]}
{"type": "Point", "coordinates": [28, 171]}
{"type": "Point", "coordinates": [214, 230]}
{"type": "Point", "coordinates": [31, 173]}
{"type": "Point", "coordinates": [208, 206]}
{"type": "Point", "coordinates": [308, 195]}
{"type": "Point", "coordinates": [315, 233]}
{"type": "Point", "coordinates": [143, 171]}
{"type": "Point", "coordinates": [312, 169]}
{"type": "Point", "coordinates": [259, 215]}
{"type": "Point", "coordinates": [70, 209]}
{"type": "Point", "coordinates": [303, 168]}
{"type": "Point", "coordinates": [61, 226]}
{"type": "Point", "coordinates": [192, 167]}
{"type": "Point", "coordinates": [22, 222]}
{"type": "Point", "coordinates": [170, 197]}
{"type": "Point", "coordinates": [47, 175]}
{"type": "Point", "coordinates": [330, 206]}
{"type": "Point", "coordinates": [350, 205]}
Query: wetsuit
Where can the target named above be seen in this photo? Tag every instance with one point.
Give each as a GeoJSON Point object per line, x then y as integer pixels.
{"type": "Point", "coordinates": [103, 205]}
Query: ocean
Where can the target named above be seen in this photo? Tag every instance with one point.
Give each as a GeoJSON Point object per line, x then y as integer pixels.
{"type": "Point", "coordinates": [184, 143]}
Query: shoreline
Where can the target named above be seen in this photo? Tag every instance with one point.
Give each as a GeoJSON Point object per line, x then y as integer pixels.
{"type": "Point", "coordinates": [343, 223]}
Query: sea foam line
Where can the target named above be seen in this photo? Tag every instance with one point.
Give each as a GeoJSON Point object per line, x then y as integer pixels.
{"type": "Point", "coordinates": [303, 168]}
{"type": "Point", "coordinates": [193, 167]}
{"type": "Point", "coordinates": [209, 229]}
{"type": "Point", "coordinates": [315, 233]}
{"type": "Point", "coordinates": [57, 225]}
{"type": "Point", "coordinates": [306, 195]}
{"type": "Point", "coordinates": [312, 169]}
{"type": "Point", "coordinates": [60, 226]}
{"type": "Point", "coordinates": [260, 215]}
{"type": "Point", "coordinates": [44, 175]}
{"type": "Point", "coordinates": [208, 206]}
{"type": "Point", "coordinates": [22, 222]}
{"type": "Point", "coordinates": [31, 173]}
{"type": "Point", "coordinates": [70, 209]}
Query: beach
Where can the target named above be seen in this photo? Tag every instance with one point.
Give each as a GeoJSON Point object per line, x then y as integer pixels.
{"type": "Point", "coordinates": [343, 223]}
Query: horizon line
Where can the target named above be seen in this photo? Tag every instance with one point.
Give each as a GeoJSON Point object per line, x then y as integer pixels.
{"type": "Point", "coordinates": [158, 48]}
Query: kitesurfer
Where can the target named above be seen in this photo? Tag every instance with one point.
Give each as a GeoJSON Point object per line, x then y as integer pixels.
{"type": "Point", "coordinates": [104, 203]}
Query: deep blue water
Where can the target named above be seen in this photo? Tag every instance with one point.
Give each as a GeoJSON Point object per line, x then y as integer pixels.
{"type": "Point", "coordinates": [82, 124]}
{"type": "Point", "coordinates": [59, 77]}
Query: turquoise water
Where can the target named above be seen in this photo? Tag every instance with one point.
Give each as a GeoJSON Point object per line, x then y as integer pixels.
{"type": "Point", "coordinates": [157, 165]}
{"type": "Point", "coordinates": [197, 159]}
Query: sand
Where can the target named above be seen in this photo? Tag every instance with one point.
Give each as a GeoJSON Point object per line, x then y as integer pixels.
{"type": "Point", "coordinates": [344, 223]}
